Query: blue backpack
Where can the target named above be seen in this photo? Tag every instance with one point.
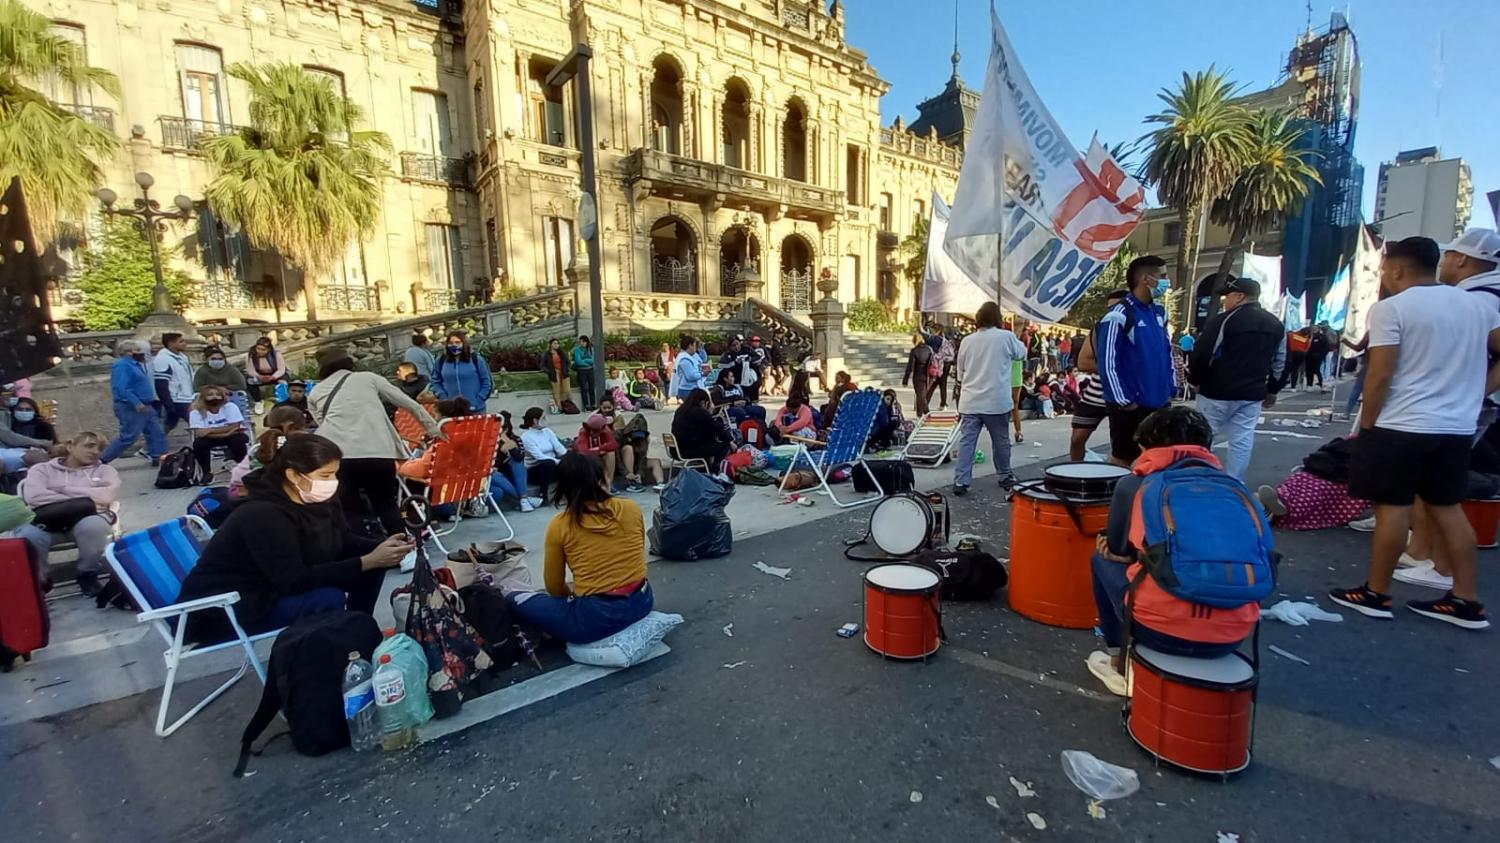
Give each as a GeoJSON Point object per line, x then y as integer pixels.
{"type": "Point", "coordinates": [1205, 539]}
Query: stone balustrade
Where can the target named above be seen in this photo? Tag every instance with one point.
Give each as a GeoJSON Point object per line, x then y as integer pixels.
{"type": "Point", "coordinates": [787, 330]}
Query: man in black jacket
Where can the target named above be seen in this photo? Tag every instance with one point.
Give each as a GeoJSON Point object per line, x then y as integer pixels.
{"type": "Point", "coordinates": [1237, 364]}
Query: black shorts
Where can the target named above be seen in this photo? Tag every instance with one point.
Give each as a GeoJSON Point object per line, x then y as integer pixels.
{"type": "Point", "coordinates": [1087, 416]}
{"type": "Point", "coordinates": [1122, 425]}
{"type": "Point", "coordinates": [1394, 468]}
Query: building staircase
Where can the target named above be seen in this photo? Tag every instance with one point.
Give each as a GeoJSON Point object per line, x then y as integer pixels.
{"type": "Point", "coordinates": [876, 359]}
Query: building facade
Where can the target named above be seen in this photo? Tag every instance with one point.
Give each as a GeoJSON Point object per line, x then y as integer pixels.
{"type": "Point", "coordinates": [739, 147]}
{"type": "Point", "coordinates": [1421, 193]}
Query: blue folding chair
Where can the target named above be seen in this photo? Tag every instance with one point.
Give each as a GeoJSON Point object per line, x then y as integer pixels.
{"type": "Point", "coordinates": [852, 427]}
{"type": "Point", "coordinates": [152, 564]}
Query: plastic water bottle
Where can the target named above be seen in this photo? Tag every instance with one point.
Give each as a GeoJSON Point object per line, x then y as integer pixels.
{"type": "Point", "coordinates": [359, 704]}
{"type": "Point", "coordinates": [397, 729]}
{"type": "Point", "coordinates": [979, 457]}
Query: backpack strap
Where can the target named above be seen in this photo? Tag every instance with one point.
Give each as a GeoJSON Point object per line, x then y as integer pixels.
{"type": "Point", "coordinates": [270, 704]}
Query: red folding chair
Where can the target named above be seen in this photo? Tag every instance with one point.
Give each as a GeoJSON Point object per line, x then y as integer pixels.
{"type": "Point", "coordinates": [461, 467]}
{"type": "Point", "coordinates": [410, 430]}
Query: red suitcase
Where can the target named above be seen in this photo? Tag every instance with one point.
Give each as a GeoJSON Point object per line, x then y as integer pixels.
{"type": "Point", "coordinates": [23, 612]}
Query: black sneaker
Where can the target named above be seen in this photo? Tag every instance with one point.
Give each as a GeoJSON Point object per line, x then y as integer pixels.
{"type": "Point", "coordinates": [1363, 600]}
{"type": "Point", "coordinates": [960, 491]}
{"type": "Point", "coordinates": [1465, 613]}
{"type": "Point", "coordinates": [89, 585]}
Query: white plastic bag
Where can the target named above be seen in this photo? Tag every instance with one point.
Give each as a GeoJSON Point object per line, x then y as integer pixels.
{"type": "Point", "coordinates": [1298, 614]}
{"type": "Point", "coordinates": [1099, 779]}
{"type": "Point", "coordinates": [628, 646]}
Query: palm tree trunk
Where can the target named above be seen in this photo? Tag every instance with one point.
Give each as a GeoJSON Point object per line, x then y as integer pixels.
{"type": "Point", "coordinates": [1187, 218]}
{"type": "Point", "coordinates": [310, 293]}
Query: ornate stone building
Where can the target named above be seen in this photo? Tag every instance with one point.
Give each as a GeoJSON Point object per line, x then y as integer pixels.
{"type": "Point", "coordinates": [739, 146]}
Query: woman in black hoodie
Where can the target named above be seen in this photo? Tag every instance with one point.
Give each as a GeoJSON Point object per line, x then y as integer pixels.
{"type": "Point", "coordinates": [287, 550]}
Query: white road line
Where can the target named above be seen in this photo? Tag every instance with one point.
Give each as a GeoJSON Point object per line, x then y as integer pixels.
{"type": "Point", "coordinates": [973, 659]}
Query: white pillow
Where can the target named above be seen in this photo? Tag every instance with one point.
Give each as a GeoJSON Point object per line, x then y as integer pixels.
{"type": "Point", "coordinates": [628, 646]}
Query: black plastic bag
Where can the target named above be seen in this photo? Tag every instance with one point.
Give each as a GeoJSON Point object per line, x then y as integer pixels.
{"type": "Point", "coordinates": [690, 522]}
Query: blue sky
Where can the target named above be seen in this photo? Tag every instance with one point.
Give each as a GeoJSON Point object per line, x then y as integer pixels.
{"type": "Point", "coordinates": [1098, 65]}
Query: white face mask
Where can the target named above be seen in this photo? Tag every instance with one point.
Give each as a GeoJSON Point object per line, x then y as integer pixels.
{"type": "Point", "coordinates": [320, 491]}
{"type": "Point", "coordinates": [216, 364]}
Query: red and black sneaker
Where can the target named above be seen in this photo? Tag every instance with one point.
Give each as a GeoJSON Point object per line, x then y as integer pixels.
{"type": "Point", "coordinates": [1363, 600]}
{"type": "Point", "coordinates": [1468, 614]}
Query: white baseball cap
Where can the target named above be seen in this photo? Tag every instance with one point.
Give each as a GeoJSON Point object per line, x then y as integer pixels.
{"type": "Point", "coordinates": [1478, 243]}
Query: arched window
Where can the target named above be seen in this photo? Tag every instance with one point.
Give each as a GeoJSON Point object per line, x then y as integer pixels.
{"type": "Point", "coordinates": [796, 273]}
{"type": "Point", "coordinates": [794, 143]}
{"type": "Point", "coordinates": [674, 257]}
{"type": "Point", "coordinates": [736, 129]}
{"type": "Point", "coordinates": [666, 107]}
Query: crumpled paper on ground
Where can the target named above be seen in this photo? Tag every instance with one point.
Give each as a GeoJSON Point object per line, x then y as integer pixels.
{"type": "Point", "coordinates": [1299, 614]}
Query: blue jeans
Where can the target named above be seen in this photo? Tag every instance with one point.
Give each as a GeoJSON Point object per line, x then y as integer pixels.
{"type": "Point", "coordinates": [509, 481]}
{"type": "Point", "coordinates": [290, 607]}
{"type": "Point", "coordinates": [132, 425]}
{"type": "Point", "coordinates": [749, 411]}
{"type": "Point", "coordinates": [1110, 584]}
{"type": "Point", "coordinates": [583, 620]}
{"type": "Point", "coordinates": [1235, 421]}
{"type": "Point", "coordinates": [1354, 393]}
{"type": "Point", "coordinates": [968, 441]}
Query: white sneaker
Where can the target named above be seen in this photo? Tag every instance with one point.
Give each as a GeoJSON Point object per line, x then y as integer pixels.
{"type": "Point", "coordinates": [535, 502]}
{"type": "Point", "coordinates": [1102, 666]}
{"type": "Point", "coordinates": [1363, 525]}
{"type": "Point", "coordinates": [1425, 575]}
{"type": "Point", "coordinates": [1409, 561]}
{"type": "Point", "coordinates": [527, 505]}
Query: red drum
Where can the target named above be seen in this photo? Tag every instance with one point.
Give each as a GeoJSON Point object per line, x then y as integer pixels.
{"type": "Point", "coordinates": [903, 611]}
{"type": "Point", "coordinates": [1196, 714]}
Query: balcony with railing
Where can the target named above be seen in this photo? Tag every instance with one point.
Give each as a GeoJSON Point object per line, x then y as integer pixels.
{"type": "Point", "coordinates": [437, 169]}
{"type": "Point", "coordinates": [673, 175]}
{"type": "Point", "coordinates": [185, 132]}
{"type": "Point", "coordinates": [348, 299]}
{"type": "Point", "coordinates": [228, 294]}
{"type": "Point", "coordinates": [100, 116]}
{"type": "Point", "coordinates": [440, 299]}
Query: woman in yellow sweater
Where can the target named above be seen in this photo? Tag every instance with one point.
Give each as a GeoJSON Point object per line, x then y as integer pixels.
{"type": "Point", "coordinates": [602, 540]}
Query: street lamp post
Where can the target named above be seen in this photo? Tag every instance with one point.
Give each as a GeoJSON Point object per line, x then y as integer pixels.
{"type": "Point", "coordinates": [147, 213]}
{"type": "Point", "coordinates": [576, 65]}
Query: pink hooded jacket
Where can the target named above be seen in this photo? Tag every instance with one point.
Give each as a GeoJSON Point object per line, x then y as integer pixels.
{"type": "Point", "coordinates": [51, 481]}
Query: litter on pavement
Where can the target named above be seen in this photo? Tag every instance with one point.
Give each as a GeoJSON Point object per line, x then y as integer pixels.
{"type": "Point", "coordinates": [1099, 779]}
{"type": "Point", "coordinates": [732, 665]}
{"type": "Point", "coordinates": [992, 802]}
{"type": "Point", "coordinates": [1023, 789]}
{"type": "Point", "coordinates": [1096, 810]}
{"type": "Point", "coordinates": [729, 630]}
{"type": "Point", "coordinates": [1299, 614]}
{"type": "Point", "coordinates": [1036, 821]}
{"type": "Point", "coordinates": [1284, 654]}
{"type": "Point", "coordinates": [773, 570]}
{"type": "Point", "coordinates": [916, 796]}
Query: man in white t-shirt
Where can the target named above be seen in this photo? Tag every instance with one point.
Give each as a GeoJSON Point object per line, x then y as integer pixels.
{"type": "Point", "coordinates": [1429, 369]}
{"type": "Point", "coordinates": [985, 359]}
{"type": "Point", "coordinates": [217, 422]}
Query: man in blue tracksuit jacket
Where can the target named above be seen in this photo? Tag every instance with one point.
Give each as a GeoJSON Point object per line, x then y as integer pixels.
{"type": "Point", "coordinates": [1134, 356]}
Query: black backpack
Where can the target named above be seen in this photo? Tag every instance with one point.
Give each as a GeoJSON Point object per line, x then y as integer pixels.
{"type": "Point", "coordinates": [487, 610]}
{"type": "Point", "coordinates": [965, 574]}
{"type": "Point", "coordinates": [305, 681]}
{"type": "Point", "coordinates": [568, 408]}
{"type": "Point", "coordinates": [894, 476]}
{"type": "Point", "coordinates": [179, 470]}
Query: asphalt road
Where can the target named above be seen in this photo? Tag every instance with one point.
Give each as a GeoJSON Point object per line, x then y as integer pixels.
{"type": "Point", "coordinates": [1385, 735]}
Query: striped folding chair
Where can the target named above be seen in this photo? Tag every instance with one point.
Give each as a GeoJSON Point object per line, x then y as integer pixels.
{"type": "Point", "coordinates": [461, 468]}
{"type": "Point", "coordinates": [932, 439]}
{"type": "Point", "coordinates": [845, 446]}
{"type": "Point", "coordinates": [411, 431]}
{"type": "Point", "coordinates": [151, 565]}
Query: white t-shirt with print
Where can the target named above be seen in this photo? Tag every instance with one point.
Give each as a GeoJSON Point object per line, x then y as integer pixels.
{"type": "Point", "coordinates": [227, 414]}
{"type": "Point", "coordinates": [1441, 365]}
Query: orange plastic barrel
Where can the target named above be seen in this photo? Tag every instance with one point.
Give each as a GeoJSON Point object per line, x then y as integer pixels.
{"type": "Point", "coordinates": [1484, 516]}
{"type": "Point", "coordinates": [1195, 713]}
{"type": "Point", "coordinates": [1051, 580]}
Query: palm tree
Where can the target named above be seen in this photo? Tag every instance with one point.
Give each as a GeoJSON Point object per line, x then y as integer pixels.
{"type": "Point", "coordinates": [1201, 146]}
{"type": "Point", "coordinates": [55, 152]}
{"type": "Point", "coordinates": [914, 247]}
{"type": "Point", "coordinates": [1276, 177]}
{"type": "Point", "coordinates": [298, 180]}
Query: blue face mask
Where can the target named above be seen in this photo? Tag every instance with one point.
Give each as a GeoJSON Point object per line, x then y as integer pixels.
{"type": "Point", "coordinates": [1163, 284]}
{"type": "Point", "coordinates": [24, 415]}
{"type": "Point", "coordinates": [455, 349]}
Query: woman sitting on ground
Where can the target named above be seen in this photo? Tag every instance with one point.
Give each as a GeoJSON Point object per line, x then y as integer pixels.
{"type": "Point", "coordinates": [26, 420]}
{"type": "Point", "coordinates": [543, 448]}
{"type": "Point", "coordinates": [510, 477]}
{"type": "Point", "coordinates": [727, 393]}
{"type": "Point", "coordinates": [699, 435]}
{"type": "Point", "coordinates": [601, 539]}
{"type": "Point", "coordinates": [641, 390]}
{"type": "Point", "coordinates": [888, 421]}
{"type": "Point", "coordinates": [216, 423]}
{"type": "Point", "coordinates": [287, 550]}
{"type": "Point", "coordinates": [73, 495]}
{"type": "Point", "coordinates": [218, 372]}
{"type": "Point", "coordinates": [794, 419]}
{"type": "Point", "coordinates": [1158, 620]}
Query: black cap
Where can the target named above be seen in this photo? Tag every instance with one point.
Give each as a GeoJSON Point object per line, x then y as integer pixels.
{"type": "Point", "coordinates": [1249, 287]}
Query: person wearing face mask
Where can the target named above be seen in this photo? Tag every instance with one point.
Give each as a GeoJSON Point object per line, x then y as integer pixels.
{"type": "Point", "coordinates": [287, 549]}
{"type": "Point", "coordinates": [26, 420]}
{"type": "Point", "coordinates": [174, 379]}
{"type": "Point", "coordinates": [218, 372]}
{"type": "Point", "coordinates": [216, 423]}
{"type": "Point", "coordinates": [1134, 355]}
{"type": "Point", "coordinates": [461, 371]}
{"type": "Point", "coordinates": [134, 403]}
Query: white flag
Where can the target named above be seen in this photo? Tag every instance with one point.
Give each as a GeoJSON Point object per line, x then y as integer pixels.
{"type": "Point", "coordinates": [945, 287]}
{"type": "Point", "coordinates": [1026, 193]}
